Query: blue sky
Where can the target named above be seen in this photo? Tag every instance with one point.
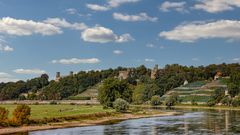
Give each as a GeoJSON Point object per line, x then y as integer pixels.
{"type": "Point", "coordinates": [68, 35]}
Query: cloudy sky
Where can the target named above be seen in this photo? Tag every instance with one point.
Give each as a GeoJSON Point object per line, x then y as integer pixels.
{"type": "Point", "coordinates": [68, 35]}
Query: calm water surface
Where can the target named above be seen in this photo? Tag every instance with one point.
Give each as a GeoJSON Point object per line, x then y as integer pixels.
{"type": "Point", "coordinates": [194, 122]}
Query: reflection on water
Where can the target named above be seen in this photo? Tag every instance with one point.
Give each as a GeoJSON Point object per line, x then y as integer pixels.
{"type": "Point", "coordinates": [196, 122]}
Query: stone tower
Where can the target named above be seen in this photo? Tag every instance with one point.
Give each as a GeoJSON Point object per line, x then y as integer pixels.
{"type": "Point", "coordinates": [71, 73]}
{"type": "Point", "coordinates": [124, 74]}
{"type": "Point", "coordinates": [58, 76]}
{"type": "Point", "coordinates": [154, 72]}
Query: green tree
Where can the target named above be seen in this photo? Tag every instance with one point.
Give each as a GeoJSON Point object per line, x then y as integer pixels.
{"type": "Point", "coordinates": [112, 89]}
{"type": "Point", "coordinates": [155, 100]}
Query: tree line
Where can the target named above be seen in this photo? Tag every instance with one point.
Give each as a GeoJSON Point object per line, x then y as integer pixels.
{"type": "Point", "coordinates": [139, 83]}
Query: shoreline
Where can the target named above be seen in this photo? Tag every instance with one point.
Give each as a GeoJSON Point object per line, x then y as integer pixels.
{"type": "Point", "coordinates": [100, 121]}
{"type": "Point", "coordinates": [193, 107]}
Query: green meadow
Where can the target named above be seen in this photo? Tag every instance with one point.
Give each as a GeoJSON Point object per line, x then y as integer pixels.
{"type": "Point", "coordinates": [49, 111]}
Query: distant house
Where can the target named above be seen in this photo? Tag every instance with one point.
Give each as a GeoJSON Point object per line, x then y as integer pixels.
{"type": "Point", "coordinates": [123, 74]}
{"type": "Point", "coordinates": [185, 82]}
{"type": "Point", "coordinates": [218, 75]}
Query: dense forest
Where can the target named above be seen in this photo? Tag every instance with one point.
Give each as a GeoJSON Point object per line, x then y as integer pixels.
{"type": "Point", "coordinates": [169, 77]}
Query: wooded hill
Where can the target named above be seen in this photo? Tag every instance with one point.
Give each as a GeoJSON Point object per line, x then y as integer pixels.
{"type": "Point", "coordinates": [167, 78]}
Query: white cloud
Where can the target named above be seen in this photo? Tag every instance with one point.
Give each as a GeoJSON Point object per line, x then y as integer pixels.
{"type": "Point", "coordinates": [64, 24]}
{"type": "Point", "coordinates": [110, 4]}
{"type": "Point", "coordinates": [177, 6]}
{"type": "Point", "coordinates": [149, 60]}
{"type": "Point", "coordinates": [20, 27]}
{"type": "Point", "coordinates": [124, 38]}
{"type": "Point", "coordinates": [162, 47]}
{"type": "Point", "coordinates": [236, 60]}
{"type": "Point", "coordinates": [134, 18]}
{"type": "Point", "coordinates": [5, 77]}
{"type": "Point", "coordinates": [100, 34]}
{"type": "Point", "coordinates": [29, 71]}
{"type": "Point", "coordinates": [76, 61]}
{"type": "Point", "coordinates": [227, 29]}
{"type": "Point", "coordinates": [195, 59]}
{"type": "Point", "coordinates": [71, 11]}
{"type": "Point", "coordinates": [150, 45]}
{"type": "Point", "coordinates": [215, 6]}
{"type": "Point", "coordinates": [117, 3]}
{"type": "Point", "coordinates": [4, 46]}
{"type": "Point", "coordinates": [118, 52]}
{"type": "Point", "coordinates": [96, 7]}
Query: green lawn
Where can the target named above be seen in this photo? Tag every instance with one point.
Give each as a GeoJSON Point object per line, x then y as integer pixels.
{"type": "Point", "coordinates": [41, 111]}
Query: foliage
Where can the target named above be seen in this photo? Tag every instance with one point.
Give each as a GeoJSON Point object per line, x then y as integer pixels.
{"type": "Point", "coordinates": [226, 101]}
{"type": "Point", "coordinates": [120, 105]}
{"type": "Point", "coordinates": [21, 115]}
{"type": "Point", "coordinates": [236, 101]}
{"type": "Point", "coordinates": [167, 78]}
{"type": "Point", "coordinates": [172, 99]}
{"type": "Point", "coordinates": [211, 102]}
{"type": "Point", "coordinates": [234, 84]}
{"type": "Point", "coordinates": [3, 116]}
{"type": "Point", "coordinates": [155, 100]}
{"type": "Point", "coordinates": [144, 91]}
{"type": "Point", "coordinates": [113, 89]}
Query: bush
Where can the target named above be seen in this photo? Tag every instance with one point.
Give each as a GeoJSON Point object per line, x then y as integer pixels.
{"type": "Point", "coordinates": [3, 116]}
{"type": "Point", "coordinates": [236, 102]}
{"type": "Point", "coordinates": [211, 102]}
{"type": "Point", "coordinates": [21, 115]}
{"type": "Point", "coordinates": [120, 105]}
{"type": "Point", "coordinates": [155, 100]}
{"type": "Point", "coordinates": [226, 101]}
{"type": "Point", "coordinates": [172, 99]}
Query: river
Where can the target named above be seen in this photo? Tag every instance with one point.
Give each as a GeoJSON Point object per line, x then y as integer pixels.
{"type": "Point", "coordinates": [192, 122]}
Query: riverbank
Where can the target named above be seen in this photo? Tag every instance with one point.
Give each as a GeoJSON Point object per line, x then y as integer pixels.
{"type": "Point", "coordinates": [192, 107]}
{"type": "Point", "coordinates": [88, 122]}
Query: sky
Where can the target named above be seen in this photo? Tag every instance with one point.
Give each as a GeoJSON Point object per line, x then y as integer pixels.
{"type": "Point", "coordinates": [47, 36]}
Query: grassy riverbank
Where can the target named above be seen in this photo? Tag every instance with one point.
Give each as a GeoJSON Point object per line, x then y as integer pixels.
{"type": "Point", "coordinates": [48, 111]}
{"type": "Point", "coordinates": [62, 116]}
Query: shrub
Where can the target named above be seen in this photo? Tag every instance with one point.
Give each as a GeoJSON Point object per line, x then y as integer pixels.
{"type": "Point", "coordinates": [172, 99]}
{"type": "Point", "coordinates": [3, 116]}
{"type": "Point", "coordinates": [211, 102]}
{"type": "Point", "coordinates": [120, 105]}
{"type": "Point", "coordinates": [21, 115]}
{"type": "Point", "coordinates": [236, 102]}
{"type": "Point", "coordinates": [226, 101]}
{"type": "Point", "coordinates": [155, 100]}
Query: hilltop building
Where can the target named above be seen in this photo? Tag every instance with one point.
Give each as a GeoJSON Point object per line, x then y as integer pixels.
{"type": "Point", "coordinates": [218, 75]}
{"type": "Point", "coordinates": [154, 72]}
{"type": "Point", "coordinates": [58, 76]}
{"type": "Point", "coordinates": [123, 74]}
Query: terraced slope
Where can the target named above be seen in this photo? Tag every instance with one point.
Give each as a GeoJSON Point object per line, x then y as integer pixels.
{"type": "Point", "coordinates": [199, 91]}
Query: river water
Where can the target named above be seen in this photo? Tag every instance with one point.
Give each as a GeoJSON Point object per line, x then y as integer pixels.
{"type": "Point", "coordinates": [192, 122]}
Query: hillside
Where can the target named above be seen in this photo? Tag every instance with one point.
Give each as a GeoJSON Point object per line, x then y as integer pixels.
{"type": "Point", "coordinates": [90, 93]}
{"type": "Point", "coordinates": [199, 91]}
